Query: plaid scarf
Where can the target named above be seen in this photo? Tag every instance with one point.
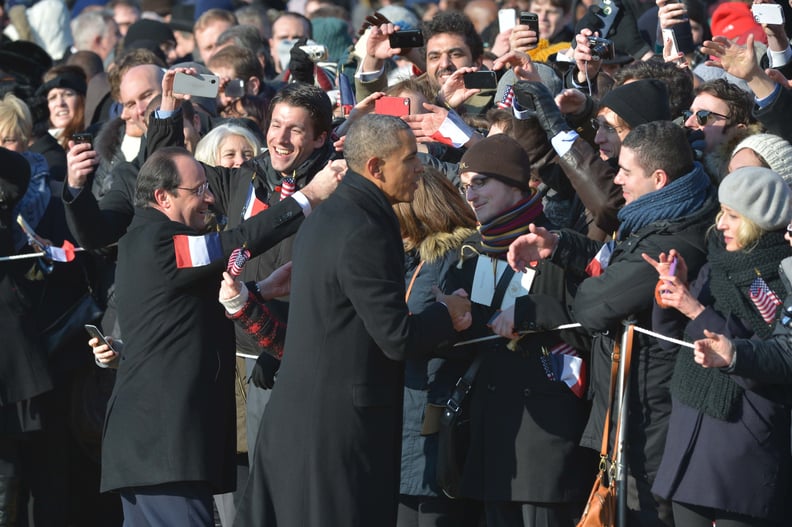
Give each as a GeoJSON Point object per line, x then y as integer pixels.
{"type": "Point", "coordinates": [497, 235]}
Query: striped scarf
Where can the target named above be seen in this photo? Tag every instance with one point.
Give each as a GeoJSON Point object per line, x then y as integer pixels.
{"type": "Point", "coordinates": [497, 235]}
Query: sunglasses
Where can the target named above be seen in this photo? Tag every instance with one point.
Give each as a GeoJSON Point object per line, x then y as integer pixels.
{"type": "Point", "coordinates": [703, 116]}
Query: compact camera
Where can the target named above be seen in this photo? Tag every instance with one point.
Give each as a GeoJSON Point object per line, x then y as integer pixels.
{"type": "Point", "coordinates": [316, 52]}
{"type": "Point", "coordinates": [601, 48]}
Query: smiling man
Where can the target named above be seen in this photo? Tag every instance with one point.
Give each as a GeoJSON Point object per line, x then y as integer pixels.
{"type": "Point", "coordinates": [169, 439]}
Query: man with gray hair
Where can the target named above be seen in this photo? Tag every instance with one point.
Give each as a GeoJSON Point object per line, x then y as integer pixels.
{"type": "Point", "coordinates": [95, 31]}
{"type": "Point", "coordinates": [340, 384]}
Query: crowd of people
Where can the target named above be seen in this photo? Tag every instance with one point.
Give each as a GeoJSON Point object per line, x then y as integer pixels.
{"type": "Point", "coordinates": [293, 275]}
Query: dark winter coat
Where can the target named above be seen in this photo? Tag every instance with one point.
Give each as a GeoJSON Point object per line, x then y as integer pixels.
{"type": "Point", "coordinates": [327, 451]}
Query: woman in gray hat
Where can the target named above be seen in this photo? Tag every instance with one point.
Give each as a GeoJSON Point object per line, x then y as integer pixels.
{"type": "Point", "coordinates": [727, 456]}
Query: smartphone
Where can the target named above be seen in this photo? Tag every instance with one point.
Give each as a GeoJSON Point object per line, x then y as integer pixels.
{"type": "Point", "coordinates": [94, 332]}
{"type": "Point", "coordinates": [83, 137]}
{"type": "Point", "coordinates": [507, 19]}
{"type": "Point", "coordinates": [669, 33]}
{"type": "Point", "coordinates": [201, 86]}
{"type": "Point", "coordinates": [235, 88]}
{"type": "Point", "coordinates": [531, 20]}
{"type": "Point", "coordinates": [482, 80]}
{"type": "Point", "coordinates": [396, 106]}
{"type": "Point", "coordinates": [412, 38]}
{"type": "Point", "coordinates": [684, 37]}
{"type": "Point", "coordinates": [772, 14]}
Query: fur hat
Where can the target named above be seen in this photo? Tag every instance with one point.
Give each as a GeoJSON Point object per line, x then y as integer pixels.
{"type": "Point", "coordinates": [65, 79]}
{"type": "Point", "coordinates": [639, 102]}
{"type": "Point", "coordinates": [760, 195]}
{"type": "Point", "coordinates": [774, 150]}
{"type": "Point", "coordinates": [501, 157]}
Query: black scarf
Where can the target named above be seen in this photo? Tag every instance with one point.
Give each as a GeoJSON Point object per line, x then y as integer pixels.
{"type": "Point", "coordinates": [710, 390]}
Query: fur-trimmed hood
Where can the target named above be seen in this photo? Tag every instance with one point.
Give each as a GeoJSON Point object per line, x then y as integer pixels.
{"type": "Point", "coordinates": [436, 245]}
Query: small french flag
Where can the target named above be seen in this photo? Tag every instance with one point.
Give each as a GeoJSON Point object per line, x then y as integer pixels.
{"type": "Point", "coordinates": [569, 368]}
{"type": "Point", "coordinates": [253, 205]}
{"type": "Point", "coordinates": [599, 263]}
{"type": "Point", "coordinates": [197, 251]}
{"type": "Point", "coordinates": [453, 131]}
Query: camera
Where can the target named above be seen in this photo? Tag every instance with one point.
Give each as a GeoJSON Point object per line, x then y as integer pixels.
{"type": "Point", "coordinates": [315, 52]}
{"type": "Point", "coordinates": [601, 48]}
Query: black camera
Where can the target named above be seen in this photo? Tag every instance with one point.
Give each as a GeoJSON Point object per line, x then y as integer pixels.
{"type": "Point", "coordinates": [601, 48]}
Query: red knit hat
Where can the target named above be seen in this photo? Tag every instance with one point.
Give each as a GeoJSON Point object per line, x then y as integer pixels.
{"type": "Point", "coordinates": [735, 20]}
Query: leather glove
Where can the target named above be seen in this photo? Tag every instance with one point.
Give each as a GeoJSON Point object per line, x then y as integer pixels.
{"type": "Point", "coordinates": [300, 64]}
{"type": "Point", "coordinates": [265, 371]}
{"type": "Point", "coordinates": [536, 96]}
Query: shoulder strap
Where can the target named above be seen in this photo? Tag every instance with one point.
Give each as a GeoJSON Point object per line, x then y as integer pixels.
{"type": "Point", "coordinates": [618, 356]}
{"type": "Point", "coordinates": [412, 281]}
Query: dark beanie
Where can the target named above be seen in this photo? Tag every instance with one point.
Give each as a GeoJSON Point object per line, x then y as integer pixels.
{"type": "Point", "coordinates": [145, 29]}
{"type": "Point", "coordinates": [14, 179]}
{"type": "Point", "coordinates": [639, 102]}
{"type": "Point", "coordinates": [65, 79]}
{"type": "Point", "coordinates": [501, 157]}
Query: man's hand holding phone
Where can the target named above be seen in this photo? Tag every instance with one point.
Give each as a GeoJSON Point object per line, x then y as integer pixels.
{"type": "Point", "coordinates": [104, 354]}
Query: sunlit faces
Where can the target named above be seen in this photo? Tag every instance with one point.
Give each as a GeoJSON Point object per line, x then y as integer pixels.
{"type": "Point", "coordinates": [552, 19]}
{"type": "Point", "coordinates": [291, 138]}
{"type": "Point", "coordinates": [610, 134]}
{"type": "Point", "coordinates": [632, 177]}
{"type": "Point", "coordinates": [285, 28]}
{"type": "Point", "coordinates": [138, 87]}
{"type": "Point", "coordinates": [716, 127]}
{"type": "Point", "coordinates": [206, 38]}
{"type": "Point", "coordinates": [487, 196]}
{"type": "Point", "coordinates": [233, 151]}
{"type": "Point", "coordinates": [190, 202]}
{"type": "Point", "coordinates": [446, 53]}
{"type": "Point", "coordinates": [62, 104]}
{"type": "Point", "coordinates": [729, 222]}
{"type": "Point", "coordinates": [398, 172]}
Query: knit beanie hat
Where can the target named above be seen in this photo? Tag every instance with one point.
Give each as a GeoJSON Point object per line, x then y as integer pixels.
{"type": "Point", "coordinates": [760, 195]}
{"type": "Point", "coordinates": [639, 102]}
{"type": "Point", "coordinates": [333, 33]}
{"type": "Point", "coordinates": [735, 20]}
{"type": "Point", "coordinates": [774, 150]}
{"type": "Point", "coordinates": [500, 157]}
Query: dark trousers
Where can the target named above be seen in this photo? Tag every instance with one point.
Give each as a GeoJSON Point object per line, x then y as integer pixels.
{"type": "Point", "coordinates": [187, 504]}
{"type": "Point", "coordinates": [432, 511]}
{"type": "Point", "coordinates": [515, 514]}
{"type": "Point", "coordinates": [695, 516]}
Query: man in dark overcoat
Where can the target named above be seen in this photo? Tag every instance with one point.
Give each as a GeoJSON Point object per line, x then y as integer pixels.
{"type": "Point", "coordinates": [327, 451]}
{"type": "Point", "coordinates": [169, 440]}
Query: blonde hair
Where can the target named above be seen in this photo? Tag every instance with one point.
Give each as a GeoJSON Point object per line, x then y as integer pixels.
{"type": "Point", "coordinates": [748, 233]}
{"type": "Point", "coordinates": [15, 119]}
{"type": "Point", "coordinates": [207, 150]}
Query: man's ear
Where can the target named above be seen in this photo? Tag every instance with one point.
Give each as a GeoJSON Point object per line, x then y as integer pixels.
{"type": "Point", "coordinates": [374, 167]}
{"type": "Point", "coordinates": [162, 198]}
{"type": "Point", "coordinates": [253, 85]}
{"type": "Point", "coordinates": [660, 178]}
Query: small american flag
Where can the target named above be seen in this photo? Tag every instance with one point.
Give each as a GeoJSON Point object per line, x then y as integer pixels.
{"type": "Point", "coordinates": [237, 261]}
{"type": "Point", "coordinates": [507, 100]}
{"type": "Point", "coordinates": [765, 299]}
{"type": "Point", "coordinates": [287, 187]}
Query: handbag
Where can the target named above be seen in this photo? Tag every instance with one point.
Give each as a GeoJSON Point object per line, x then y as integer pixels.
{"type": "Point", "coordinates": [600, 508]}
{"type": "Point", "coordinates": [453, 437]}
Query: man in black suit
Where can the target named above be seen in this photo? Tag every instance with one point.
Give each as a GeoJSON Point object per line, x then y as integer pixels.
{"type": "Point", "coordinates": [327, 451]}
{"type": "Point", "coordinates": [169, 440]}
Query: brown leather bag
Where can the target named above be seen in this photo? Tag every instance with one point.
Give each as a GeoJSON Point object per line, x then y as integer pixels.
{"type": "Point", "coordinates": [600, 508]}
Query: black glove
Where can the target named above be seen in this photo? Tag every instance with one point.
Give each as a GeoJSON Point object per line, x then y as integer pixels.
{"type": "Point", "coordinates": [300, 64]}
{"type": "Point", "coordinates": [265, 371]}
{"type": "Point", "coordinates": [536, 96]}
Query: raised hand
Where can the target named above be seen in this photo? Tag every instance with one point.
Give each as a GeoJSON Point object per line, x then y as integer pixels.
{"type": "Point", "coordinates": [537, 245]}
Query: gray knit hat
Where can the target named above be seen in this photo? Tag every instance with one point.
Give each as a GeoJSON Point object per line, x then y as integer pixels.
{"type": "Point", "coordinates": [774, 150]}
{"type": "Point", "coordinates": [501, 157]}
{"type": "Point", "coordinates": [760, 195]}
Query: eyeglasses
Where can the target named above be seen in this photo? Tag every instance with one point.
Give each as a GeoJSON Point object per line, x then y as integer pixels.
{"type": "Point", "coordinates": [702, 116]}
{"type": "Point", "coordinates": [199, 191]}
{"type": "Point", "coordinates": [607, 128]}
{"type": "Point", "coordinates": [475, 185]}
